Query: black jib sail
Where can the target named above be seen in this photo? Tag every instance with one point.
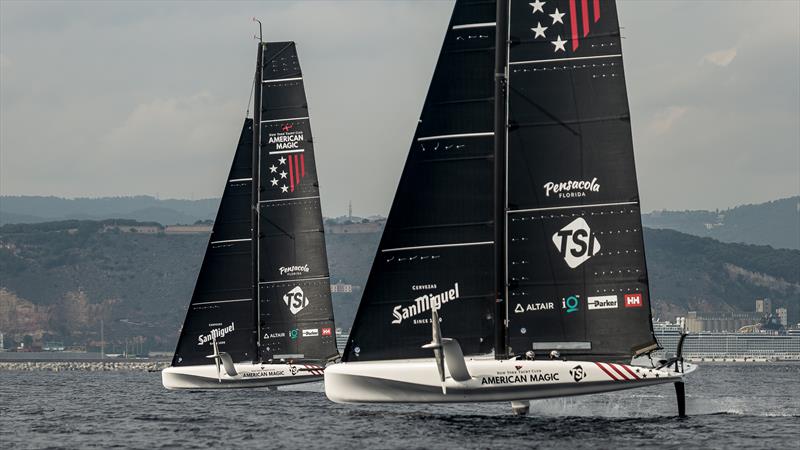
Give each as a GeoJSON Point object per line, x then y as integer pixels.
{"type": "Point", "coordinates": [222, 303]}
{"type": "Point", "coordinates": [438, 238]}
{"type": "Point", "coordinates": [294, 287]}
{"type": "Point", "coordinates": [572, 241]}
{"type": "Point", "coordinates": [577, 274]}
{"type": "Point", "coordinates": [268, 228]}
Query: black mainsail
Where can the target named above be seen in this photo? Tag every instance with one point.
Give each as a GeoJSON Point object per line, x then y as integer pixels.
{"type": "Point", "coordinates": [263, 290]}
{"type": "Point", "coordinates": [572, 275]}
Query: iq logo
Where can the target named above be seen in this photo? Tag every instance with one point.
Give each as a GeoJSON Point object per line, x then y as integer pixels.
{"type": "Point", "coordinates": [576, 243]}
{"type": "Point", "coordinates": [571, 303]}
{"type": "Point", "coordinates": [293, 334]}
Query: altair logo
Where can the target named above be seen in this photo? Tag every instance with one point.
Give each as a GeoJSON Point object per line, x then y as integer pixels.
{"type": "Point", "coordinates": [576, 243]}
{"type": "Point", "coordinates": [296, 300]}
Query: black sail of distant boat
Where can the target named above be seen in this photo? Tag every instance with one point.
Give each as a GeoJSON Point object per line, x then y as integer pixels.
{"type": "Point", "coordinates": [437, 244]}
{"type": "Point", "coordinates": [294, 288]}
{"type": "Point", "coordinates": [575, 273]}
{"type": "Point", "coordinates": [222, 303]}
{"type": "Point", "coordinates": [263, 291]}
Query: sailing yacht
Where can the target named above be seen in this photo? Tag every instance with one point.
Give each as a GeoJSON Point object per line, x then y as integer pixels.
{"type": "Point", "coordinates": [512, 262]}
{"type": "Point", "coordinates": [261, 312]}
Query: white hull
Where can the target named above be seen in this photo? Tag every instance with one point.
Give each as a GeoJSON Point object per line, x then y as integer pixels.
{"type": "Point", "coordinates": [248, 376]}
{"type": "Point", "coordinates": [413, 381]}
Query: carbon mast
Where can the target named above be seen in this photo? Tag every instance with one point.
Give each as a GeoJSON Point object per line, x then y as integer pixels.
{"type": "Point", "coordinates": [256, 197]}
{"type": "Point", "coordinates": [500, 173]}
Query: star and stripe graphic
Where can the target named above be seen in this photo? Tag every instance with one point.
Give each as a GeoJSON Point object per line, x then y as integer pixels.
{"type": "Point", "coordinates": [287, 170]}
{"type": "Point", "coordinates": [576, 22]}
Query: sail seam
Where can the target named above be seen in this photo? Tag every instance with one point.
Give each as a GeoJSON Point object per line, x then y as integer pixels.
{"type": "Point", "coordinates": [294, 280]}
{"type": "Point", "coordinates": [455, 136]}
{"type": "Point", "coordinates": [596, 205]}
{"type": "Point", "coordinates": [227, 241]}
{"type": "Point", "coordinates": [420, 247]}
{"type": "Point", "coordinates": [284, 152]}
{"type": "Point", "coordinates": [576, 58]}
{"type": "Point", "coordinates": [474, 25]}
{"type": "Point", "coordinates": [288, 199]}
{"type": "Point", "coordinates": [235, 180]}
{"type": "Point", "coordinates": [284, 120]}
{"type": "Point", "coordinates": [282, 79]}
{"type": "Point", "coordinates": [224, 301]}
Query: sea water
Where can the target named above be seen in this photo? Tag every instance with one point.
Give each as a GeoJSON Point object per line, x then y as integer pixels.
{"type": "Point", "coordinates": [729, 406]}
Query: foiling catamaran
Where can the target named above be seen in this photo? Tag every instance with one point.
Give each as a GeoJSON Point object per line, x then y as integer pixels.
{"type": "Point", "coordinates": [514, 244]}
{"type": "Point", "coordinates": [261, 312]}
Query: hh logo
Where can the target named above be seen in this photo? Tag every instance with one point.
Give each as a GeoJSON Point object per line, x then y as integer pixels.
{"type": "Point", "coordinates": [576, 243]}
{"type": "Point", "coordinates": [327, 332]}
{"type": "Point", "coordinates": [633, 300]}
{"type": "Point", "coordinates": [295, 300]}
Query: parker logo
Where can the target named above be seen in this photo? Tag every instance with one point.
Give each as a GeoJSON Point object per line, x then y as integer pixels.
{"type": "Point", "coordinates": [633, 301]}
{"type": "Point", "coordinates": [572, 188]}
{"type": "Point", "coordinates": [577, 373]}
{"type": "Point", "coordinates": [576, 243]}
{"type": "Point", "coordinates": [603, 302]}
{"type": "Point", "coordinates": [296, 300]}
{"type": "Point", "coordinates": [310, 332]}
{"type": "Point", "coordinates": [424, 304]}
{"type": "Point", "coordinates": [215, 333]}
{"type": "Point", "coordinates": [327, 332]}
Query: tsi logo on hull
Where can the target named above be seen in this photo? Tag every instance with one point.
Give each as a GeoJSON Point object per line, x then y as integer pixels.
{"type": "Point", "coordinates": [576, 243]}
{"type": "Point", "coordinates": [296, 300]}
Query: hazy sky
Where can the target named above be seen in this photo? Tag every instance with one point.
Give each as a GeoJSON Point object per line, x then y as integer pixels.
{"type": "Point", "coordinates": [116, 98]}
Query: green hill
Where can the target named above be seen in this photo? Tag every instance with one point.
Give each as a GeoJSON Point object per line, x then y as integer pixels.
{"type": "Point", "coordinates": [59, 279]}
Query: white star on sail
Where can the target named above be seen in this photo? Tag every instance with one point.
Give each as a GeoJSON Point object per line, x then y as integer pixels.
{"type": "Point", "coordinates": [538, 5]}
{"type": "Point", "coordinates": [283, 174]}
{"type": "Point", "coordinates": [282, 160]}
{"type": "Point", "coordinates": [557, 17]}
{"type": "Point", "coordinates": [274, 182]}
{"type": "Point", "coordinates": [273, 169]}
{"type": "Point", "coordinates": [539, 30]}
{"type": "Point", "coordinates": [559, 43]}
{"type": "Point", "coordinates": [284, 188]}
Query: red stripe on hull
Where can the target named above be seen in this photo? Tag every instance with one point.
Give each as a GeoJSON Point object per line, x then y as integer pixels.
{"type": "Point", "coordinates": [621, 373]}
{"type": "Point", "coordinates": [606, 371]}
{"type": "Point", "coordinates": [628, 369]}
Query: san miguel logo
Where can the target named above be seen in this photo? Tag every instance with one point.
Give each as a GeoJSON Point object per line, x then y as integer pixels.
{"type": "Point", "coordinates": [424, 304]}
{"type": "Point", "coordinates": [571, 189]}
{"type": "Point", "coordinates": [215, 333]}
{"type": "Point", "coordinates": [296, 300]}
{"type": "Point", "coordinates": [287, 162]}
{"type": "Point", "coordinates": [576, 243]}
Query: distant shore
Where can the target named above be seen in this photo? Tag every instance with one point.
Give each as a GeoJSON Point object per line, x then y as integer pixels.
{"type": "Point", "coordinates": [86, 366]}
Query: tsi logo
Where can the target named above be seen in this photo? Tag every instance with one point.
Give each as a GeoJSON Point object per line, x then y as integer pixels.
{"type": "Point", "coordinates": [576, 243]}
{"type": "Point", "coordinates": [296, 300]}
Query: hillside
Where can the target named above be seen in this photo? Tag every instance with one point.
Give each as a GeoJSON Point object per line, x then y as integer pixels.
{"type": "Point", "coordinates": [61, 278]}
{"type": "Point", "coordinates": [35, 209]}
{"type": "Point", "coordinates": [775, 223]}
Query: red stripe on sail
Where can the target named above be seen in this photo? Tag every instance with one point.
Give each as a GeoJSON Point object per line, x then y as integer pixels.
{"type": "Point", "coordinates": [573, 22]}
{"type": "Point", "coordinates": [621, 373]}
{"type": "Point", "coordinates": [303, 164]}
{"type": "Point", "coordinates": [606, 371]}
{"type": "Point", "coordinates": [628, 369]}
{"type": "Point", "coordinates": [585, 16]}
{"type": "Point", "coordinates": [291, 174]}
{"type": "Point", "coordinates": [596, 10]}
{"type": "Point", "coordinates": [297, 169]}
